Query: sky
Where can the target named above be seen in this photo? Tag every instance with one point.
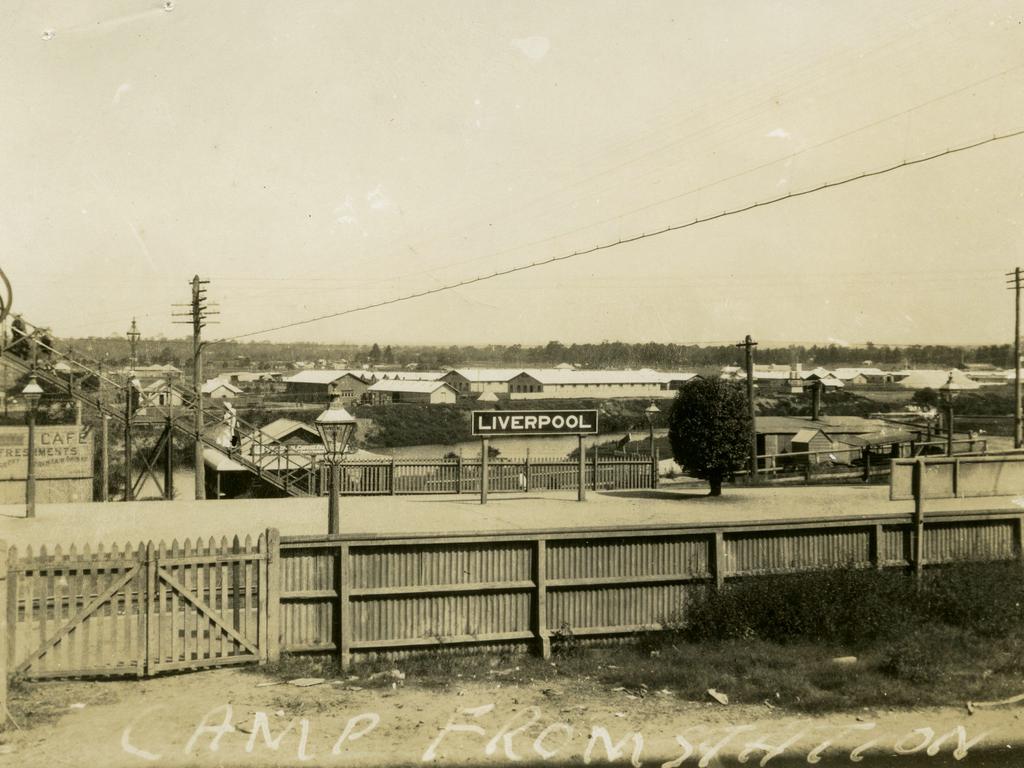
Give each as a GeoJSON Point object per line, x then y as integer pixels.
{"type": "Point", "coordinates": [313, 157]}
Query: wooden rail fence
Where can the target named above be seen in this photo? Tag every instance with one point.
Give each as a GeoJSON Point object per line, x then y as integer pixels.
{"type": "Point", "coordinates": [350, 594]}
{"type": "Point", "coordinates": [447, 476]}
{"type": "Point", "coordinates": [145, 609]}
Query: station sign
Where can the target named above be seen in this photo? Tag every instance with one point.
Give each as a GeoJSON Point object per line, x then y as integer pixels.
{"type": "Point", "coordinates": [526, 423]}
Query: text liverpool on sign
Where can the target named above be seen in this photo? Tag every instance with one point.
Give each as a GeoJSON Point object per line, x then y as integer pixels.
{"type": "Point", "coordinates": [506, 423]}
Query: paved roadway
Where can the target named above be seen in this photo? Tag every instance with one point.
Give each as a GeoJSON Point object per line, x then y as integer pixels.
{"type": "Point", "coordinates": [135, 521]}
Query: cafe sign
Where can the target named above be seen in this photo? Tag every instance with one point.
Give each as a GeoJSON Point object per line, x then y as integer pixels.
{"type": "Point", "coordinates": [63, 452]}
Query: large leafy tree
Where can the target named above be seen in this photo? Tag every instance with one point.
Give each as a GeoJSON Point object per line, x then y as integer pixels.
{"type": "Point", "coordinates": [709, 429]}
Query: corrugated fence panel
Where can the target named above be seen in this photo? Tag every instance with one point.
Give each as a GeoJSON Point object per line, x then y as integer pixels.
{"type": "Point", "coordinates": [308, 598]}
{"type": "Point", "coordinates": [895, 546]}
{"type": "Point", "coordinates": [989, 540]}
{"type": "Point", "coordinates": [755, 553]}
{"type": "Point", "coordinates": [608, 608]}
{"type": "Point", "coordinates": [435, 565]}
{"type": "Point", "coordinates": [685, 557]}
{"type": "Point", "coordinates": [433, 618]}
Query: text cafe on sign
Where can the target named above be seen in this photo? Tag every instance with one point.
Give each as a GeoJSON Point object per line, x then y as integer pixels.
{"type": "Point", "coordinates": [488, 424]}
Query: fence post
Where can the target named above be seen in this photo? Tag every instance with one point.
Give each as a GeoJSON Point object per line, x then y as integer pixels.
{"type": "Point", "coordinates": [391, 477]}
{"type": "Point", "coordinates": [596, 452]}
{"type": "Point", "coordinates": [344, 609]}
{"type": "Point", "coordinates": [956, 478]}
{"type": "Point", "coordinates": [540, 599]}
{"type": "Point", "coordinates": [867, 464]}
{"type": "Point", "coordinates": [147, 613]}
{"type": "Point", "coordinates": [718, 559]}
{"type": "Point", "coordinates": [458, 474]}
{"type": "Point", "coordinates": [11, 613]}
{"type": "Point", "coordinates": [6, 631]}
{"type": "Point", "coordinates": [272, 591]}
{"type": "Point", "coordinates": [581, 490]}
{"type": "Point", "coordinates": [877, 542]}
{"type": "Point", "coordinates": [526, 472]}
{"type": "Point", "coordinates": [918, 483]}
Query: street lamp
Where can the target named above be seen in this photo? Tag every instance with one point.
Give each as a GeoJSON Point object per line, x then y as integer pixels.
{"type": "Point", "coordinates": [650, 412]}
{"type": "Point", "coordinates": [131, 396]}
{"type": "Point", "coordinates": [32, 393]}
{"type": "Point", "coordinates": [948, 392]}
{"type": "Point", "coordinates": [336, 427]}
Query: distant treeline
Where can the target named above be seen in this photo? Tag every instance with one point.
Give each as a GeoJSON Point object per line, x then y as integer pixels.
{"type": "Point", "coordinates": [607, 354]}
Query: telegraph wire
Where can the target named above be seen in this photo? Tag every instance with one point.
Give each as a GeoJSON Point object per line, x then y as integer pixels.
{"type": "Point", "coordinates": [632, 239]}
{"type": "Point", "coordinates": [656, 203]}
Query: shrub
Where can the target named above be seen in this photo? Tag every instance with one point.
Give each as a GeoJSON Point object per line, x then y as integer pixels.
{"type": "Point", "coordinates": [986, 598]}
{"type": "Point", "coordinates": [840, 605]}
{"type": "Point", "coordinates": [853, 606]}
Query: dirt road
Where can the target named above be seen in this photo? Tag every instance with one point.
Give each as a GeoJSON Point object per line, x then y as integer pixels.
{"type": "Point", "coordinates": [233, 717]}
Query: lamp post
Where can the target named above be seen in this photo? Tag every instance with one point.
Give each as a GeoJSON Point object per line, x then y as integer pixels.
{"type": "Point", "coordinates": [650, 412]}
{"type": "Point", "coordinates": [948, 392]}
{"type": "Point", "coordinates": [32, 393]}
{"type": "Point", "coordinates": [336, 427]}
{"type": "Point", "coordinates": [131, 390]}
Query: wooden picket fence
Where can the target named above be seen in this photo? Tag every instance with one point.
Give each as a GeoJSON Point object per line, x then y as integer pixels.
{"type": "Point", "coordinates": [381, 477]}
{"type": "Point", "coordinates": [140, 609]}
{"type": "Point", "coordinates": [144, 609]}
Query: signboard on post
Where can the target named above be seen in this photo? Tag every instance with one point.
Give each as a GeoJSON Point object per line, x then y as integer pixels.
{"type": "Point", "coordinates": [526, 423]}
{"type": "Point", "coordinates": [960, 476]}
{"type": "Point", "coordinates": [63, 463]}
{"type": "Point", "coordinates": [488, 424]}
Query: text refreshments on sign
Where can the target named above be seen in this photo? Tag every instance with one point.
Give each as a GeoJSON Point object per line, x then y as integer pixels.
{"type": "Point", "coordinates": [508, 423]}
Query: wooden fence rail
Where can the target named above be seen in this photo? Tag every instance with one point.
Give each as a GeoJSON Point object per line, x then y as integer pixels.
{"type": "Point", "coordinates": [150, 608]}
{"type": "Point", "coordinates": [139, 609]}
{"type": "Point", "coordinates": [447, 476]}
{"type": "Point", "coordinates": [352, 594]}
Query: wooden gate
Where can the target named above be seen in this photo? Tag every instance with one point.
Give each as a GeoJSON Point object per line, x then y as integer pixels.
{"type": "Point", "coordinates": [140, 611]}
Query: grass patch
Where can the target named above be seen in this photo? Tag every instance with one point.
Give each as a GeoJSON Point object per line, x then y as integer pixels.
{"type": "Point", "coordinates": [958, 636]}
{"type": "Point", "coordinates": [32, 704]}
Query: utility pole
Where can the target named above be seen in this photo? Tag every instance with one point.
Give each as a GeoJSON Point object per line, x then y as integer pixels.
{"type": "Point", "coordinates": [197, 315]}
{"type": "Point", "coordinates": [749, 344]}
{"type": "Point", "coordinates": [129, 410]}
{"type": "Point", "coordinates": [1015, 285]}
{"type": "Point", "coordinates": [104, 438]}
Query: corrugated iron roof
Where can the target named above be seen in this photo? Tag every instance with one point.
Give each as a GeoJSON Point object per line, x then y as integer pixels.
{"type": "Point", "coordinates": [642, 376]}
{"type": "Point", "coordinates": [806, 435]}
{"type": "Point", "coordinates": [214, 384]}
{"type": "Point", "coordinates": [397, 385]}
{"type": "Point", "coordinates": [479, 375]}
{"type": "Point", "coordinates": [323, 377]}
{"type": "Point", "coordinates": [934, 379]}
{"type": "Point", "coordinates": [280, 428]}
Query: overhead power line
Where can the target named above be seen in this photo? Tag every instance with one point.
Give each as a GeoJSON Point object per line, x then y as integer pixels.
{"type": "Point", "coordinates": [627, 240]}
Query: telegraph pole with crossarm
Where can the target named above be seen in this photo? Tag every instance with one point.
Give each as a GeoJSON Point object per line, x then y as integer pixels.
{"type": "Point", "coordinates": [1015, 285]}
{"type": "Point", "coordinates": [198, 314]}
{"type": "Point", "coordinates": [749, 344]}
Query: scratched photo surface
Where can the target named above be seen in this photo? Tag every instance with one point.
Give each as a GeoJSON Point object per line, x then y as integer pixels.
{"type": "Point", "coordinates": [402, 181]}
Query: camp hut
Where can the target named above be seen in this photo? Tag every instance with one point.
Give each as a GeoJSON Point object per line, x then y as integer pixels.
{"type": "Point", "coordinates": [808, 441]}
